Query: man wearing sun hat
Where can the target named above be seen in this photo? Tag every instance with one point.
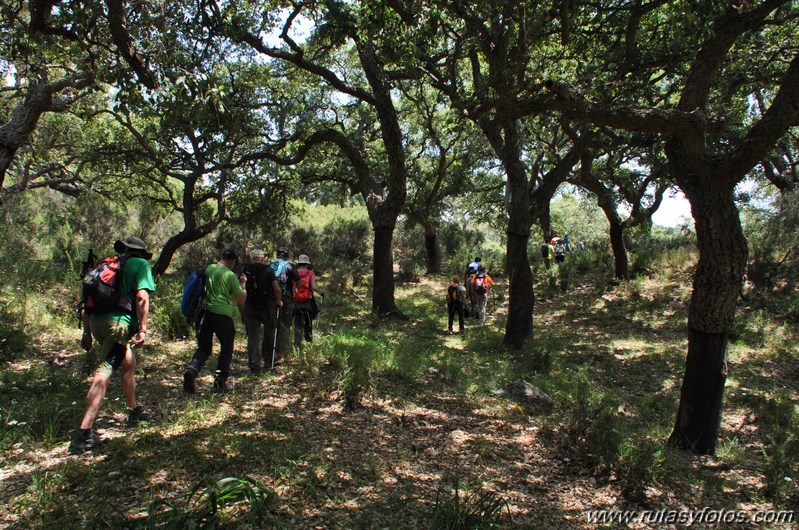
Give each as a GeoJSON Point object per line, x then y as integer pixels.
{"type": "Point", "coordinates": [112, 330]}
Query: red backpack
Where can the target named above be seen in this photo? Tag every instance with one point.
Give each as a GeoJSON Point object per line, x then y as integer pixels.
{"type": "Point", "coordinates": [102, 287]}
{"type": "Point", "coordinates": [302, 289]}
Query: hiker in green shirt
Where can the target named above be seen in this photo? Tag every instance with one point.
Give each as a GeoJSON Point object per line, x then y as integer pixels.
{"type": "Point", "coordinates": [112, 330]}
{"type": "Point", "coordinates": [225, 295]}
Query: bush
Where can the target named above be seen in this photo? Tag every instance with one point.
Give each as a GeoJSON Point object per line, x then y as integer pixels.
{"type": "Point", "coordinates": [640, 464]}
{"type": "Point", "coordinates": [410, 269]}
{"type": "Point", "coordinates": [204, 506]}
{"type": "Point", "coordinates": [165, 313]}
{"type": "Point", "coordinates": [467, 511]}
{"type": "Point", "coordinates": [355, 356]}
{"type": "Point", "coordinates": [594, 430]}
{"type": "Point", "coordinates": [13, 340]}
{"type": "Point", "coordinates": [779, 422]}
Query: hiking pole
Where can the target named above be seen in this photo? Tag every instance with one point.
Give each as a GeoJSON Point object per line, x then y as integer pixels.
{"type": "Point", "coordinates": [319, 312]}
{"type": "Point", "coordinates": [274, 342]}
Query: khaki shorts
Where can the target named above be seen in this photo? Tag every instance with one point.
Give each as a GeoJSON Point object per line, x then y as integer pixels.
{"type": "Point", "coordinates": [112, 337]}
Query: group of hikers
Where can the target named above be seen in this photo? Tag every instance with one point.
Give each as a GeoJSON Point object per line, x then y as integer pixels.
{"type": "Point", "coordinates": [475, 289]}
{"type": "Point", "coordinates": [555, 250]}
{"type": "Point", "coordinates": [116, 300]}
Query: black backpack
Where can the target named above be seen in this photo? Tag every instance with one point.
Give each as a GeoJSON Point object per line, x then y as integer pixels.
{"type": "Point", "coordinates": [258, 286]}
{"type": "Point", "coordinates": [102, 287]}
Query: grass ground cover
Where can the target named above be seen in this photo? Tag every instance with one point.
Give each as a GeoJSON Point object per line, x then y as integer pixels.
{"type": "Point", "coordinates": [390, 424]}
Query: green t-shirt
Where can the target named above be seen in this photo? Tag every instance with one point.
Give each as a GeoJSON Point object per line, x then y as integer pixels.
{"type": "Point", "coordinates": [221, 287]}
{"type": "Point", "coordinates": [136, 275]}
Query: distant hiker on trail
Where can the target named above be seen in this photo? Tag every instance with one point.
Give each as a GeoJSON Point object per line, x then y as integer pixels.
{"type": "Point", "coordinates": [474, 265]}
{"type": "Point", "coordinates": [224, 295]}
{"type": "Point", "coordinates": [481, 283]}
{"type": "Point", "coordinates": [305, 307]}
{"type": "Point", "coordinates": [260, 310]}
{"type": "Point", "coordinates": [113, 320]}
{"type": "Point", "coordinates": [559, 249]}
{"type": "Point", "coordinates": [456, 296]}
{"type": "Point", "coordinates": [566, 246]}
{"type": "Point", "coordinates": [471, 270]}
{"type": "Point", "coordinates": [286, 277]}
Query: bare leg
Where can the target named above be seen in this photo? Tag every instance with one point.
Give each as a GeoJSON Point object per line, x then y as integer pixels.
{"type": "Point", "coordinates": [94, 399]}
{"type": "Point", "coordinates": [128, 378]}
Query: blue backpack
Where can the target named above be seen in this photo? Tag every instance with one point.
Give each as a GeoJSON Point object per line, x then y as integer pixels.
{"type": "Point", "coordinates": [192, 305]}
{"type": "Point", "coordinates": [279, 266]}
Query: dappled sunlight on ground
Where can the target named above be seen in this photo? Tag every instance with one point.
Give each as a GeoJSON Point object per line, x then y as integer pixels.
{"type": "Point", "coordinates": [426, 421]}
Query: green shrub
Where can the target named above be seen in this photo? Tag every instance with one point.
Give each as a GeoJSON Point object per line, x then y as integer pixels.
{"type": "Point", "coordinates": [357, 354]}
{"type": "Point", "coordinates": [593, 428]}
{"type": "Point", "coordinates": [640, 464]}
{"type": "Point", "coordinates": [410, 269]}
{"type": "Point", "coordinates": [779, 424]}
{"type": "Point", "coordinates": [792, 313]}
{"type": "Point", "coordinates": [13, 341]}
{"type": "Point", "coordinates": [165, 314]}
{"type": "Point", "coordinates": [204, 506]}
{"type": "Point", "coordinates": [459, 510]}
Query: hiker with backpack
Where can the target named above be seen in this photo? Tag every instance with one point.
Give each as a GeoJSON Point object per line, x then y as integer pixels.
{"type": "Point", "coordinates": [305, 307]}
{"type": "Point", "coordinates": [559, 249]}
{"type": "Point", "coordinates": [456, 295]}
{"type": "Point", "coordinates": [260, 310]}
{"type": "Point", "coordinates": [481, 283]}
{"type": "Point", "coordinates": [116, 300]}
{"type": "Point", "coordinates": [224, 295]}
{"type": "Point", "coordinates": [286, 277]}
{"type": "Point", "coordinates": [471, 271]}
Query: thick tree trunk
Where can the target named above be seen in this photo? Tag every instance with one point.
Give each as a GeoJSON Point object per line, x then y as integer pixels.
{"type": "Point", "coordinates": [521, 301]}
{"type": "Point", "coordinates": [6, 157]}
{"type": "Point", "coordinates": [519, 326]}
{"type": "Point", "coordinates": [717, 286]}
{"type": "Point", "coordinates": [175, 242]}
{"type": "Point", "coordinates": [431, 248]}
{"type": "Point", "coordinates": [545, 220]}
{"type": "Point", "coordinates": [620, 260]}
{"type": "Point", "coordinates": [383, 264]}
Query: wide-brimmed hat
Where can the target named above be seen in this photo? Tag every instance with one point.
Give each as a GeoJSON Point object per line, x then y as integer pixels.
{"type": "Point", "coordinates": [303, 260]}
{"type": "Point", "coordinates": [231, 254]}
{"type": "Point", "coordinates": [254, 254]}
{"type": "Point", "coordinates": [132, 243]}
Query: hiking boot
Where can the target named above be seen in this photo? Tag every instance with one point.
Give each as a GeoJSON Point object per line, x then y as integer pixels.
{"type": "Point", "coordinates": [137, 415]}
{"type": "Point", "coordinates": [84, 441]}
{"type": "Point", "coordinates": [220, 387]}
{"type": "Point", "coordinates": [188, 381]}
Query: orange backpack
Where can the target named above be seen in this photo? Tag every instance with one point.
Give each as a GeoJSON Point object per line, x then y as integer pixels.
{"type": "Point", "coordinates": [302, 290]}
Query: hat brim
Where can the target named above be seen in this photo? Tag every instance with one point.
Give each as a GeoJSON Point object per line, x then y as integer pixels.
{"type": "Point", "coordinates": [120, 248]}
